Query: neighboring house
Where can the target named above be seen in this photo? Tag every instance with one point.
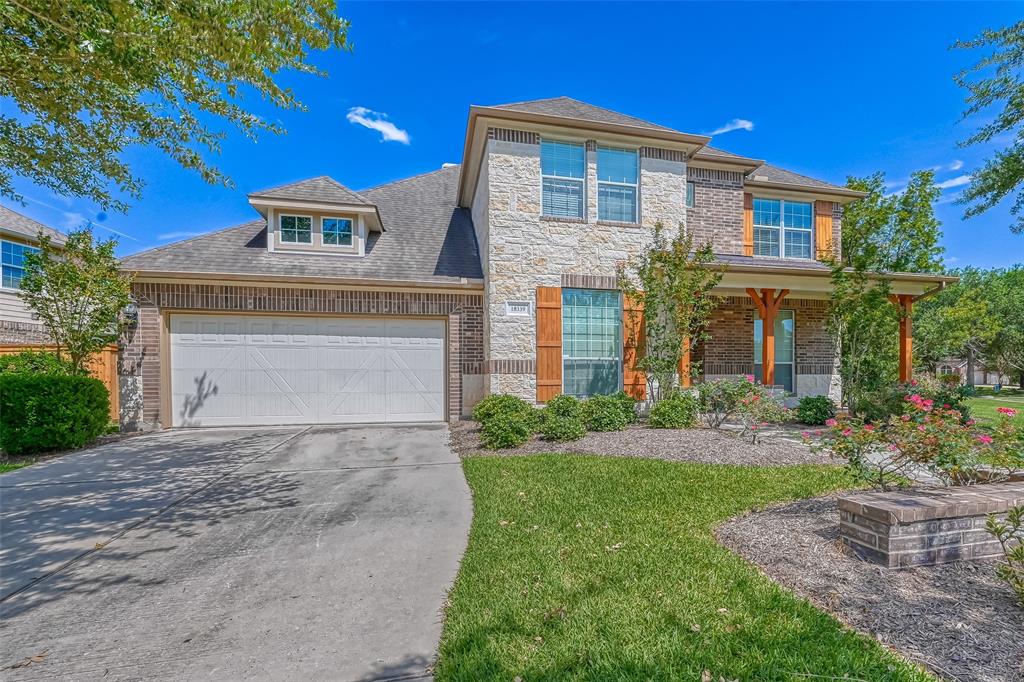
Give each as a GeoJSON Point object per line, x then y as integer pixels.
{"type": "Point", "coordinates": [412, 300]}
{"type": "Point", "coordinates": [19, 235]}
{"type": "Point", "coordinates": [982, 375]}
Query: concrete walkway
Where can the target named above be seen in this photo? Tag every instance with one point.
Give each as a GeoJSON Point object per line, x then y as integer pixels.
{"type": "Point", "coordinates": [287, 553]}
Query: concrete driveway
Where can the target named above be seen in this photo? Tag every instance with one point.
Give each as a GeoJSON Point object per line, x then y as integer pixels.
{"type": "Point", "coordinates": [318, 553]}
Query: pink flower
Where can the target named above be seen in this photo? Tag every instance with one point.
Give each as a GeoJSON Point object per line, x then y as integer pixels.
{"type": "Point", "coordinates": [869, 427]}
{"type": "Point", "coordinates": [905, 417]}
{"type": "Point", "coordinates": [913, 398]}
{"type": "Point", "coordinates": [750, 378]}
{"type": "Point", "coordinates": [913, 382]}
{"type": "Point", "coordinates": [1008, 411]}
{"type": "Point", "coordinates": [921, 428]}
{"type": "Point", "coordinates": [806, 434]}
{"type": "Point", "coordinates": [893, 448]}
{"type": "Point", "coordinates": [971, 422]}
{"type": "Point", "coordinates": [986, 439]}
{"type": "Point", "coordinates": [830, 422]}
{"type": "Point", "coordinates": [819, 432]}
{"type": "Point", "coordinates": [847, 432]}
{"type": "Point", "coordinates": [945, 406]}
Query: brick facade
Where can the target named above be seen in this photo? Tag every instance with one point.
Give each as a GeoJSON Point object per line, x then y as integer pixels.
{"type": "Point", "coordinates": [26, 333]}
{"type": "Point", "coordinates": [730, 350]}
{"type": "Point", "coordinates": [140, 363]}
{"type": "Point", "coordinates": [717, 213]}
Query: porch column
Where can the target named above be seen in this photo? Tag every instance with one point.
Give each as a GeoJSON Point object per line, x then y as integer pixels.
{"type": "Point", "coordinates": [684, 364]}
{"type": "Point", "coordinates": [905, 302]}
{"type": "Point", "coordinates": [768, 304]}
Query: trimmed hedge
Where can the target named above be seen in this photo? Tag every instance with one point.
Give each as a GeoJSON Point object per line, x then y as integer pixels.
{"type": "Point", "coordinates": [815, 409]}
{"type": "Point", "coordinates": [35, 362]}
{"type": "Point", "coordinates": [604, 413]}
{"type": "Point", "coordinates": [42, 412]}
{"type": "Point", "coordinates": [678, 411]}
{"type": "Point", "coordinates": [562, 419]}
{"type": "Point", "coordinates": [627, 404]}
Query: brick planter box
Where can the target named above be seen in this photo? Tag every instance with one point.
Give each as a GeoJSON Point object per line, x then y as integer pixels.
{"type": "Point", "coordinates": [922, 527]}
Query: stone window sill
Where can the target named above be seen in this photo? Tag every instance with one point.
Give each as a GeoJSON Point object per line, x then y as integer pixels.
{"type": "Point", "coordinates": [616, 223]}
{"type": "Point", "coordinates": [561, 219]}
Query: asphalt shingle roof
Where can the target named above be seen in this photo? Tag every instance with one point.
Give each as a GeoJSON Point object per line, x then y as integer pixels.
{"type": "Point", "coordinates": [567, 107]}
{"type": "Point", "coordinates": [428, 238]}
{"type": "Point", "coordinates": [770, 173]}
{"type": "Point", "coordinates": [323, 188]}
{"type": "Point", "coordinates": [12, 221]}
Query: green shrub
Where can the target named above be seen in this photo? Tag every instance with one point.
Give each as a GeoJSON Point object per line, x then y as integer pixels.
{"type": "Point", "coordinates": [678, 411]}
{"type": "Point", "coordinates": [35, 362]}
{"type": "Point", "coordinates": [627, 404]}
{"type": "Point", "coordinates": [604, 413]}
{"type": "Point", "coordinates": [1010, 534]}
{"type": "Point", "coordinates": [40, 412]}
{"type": "Point", "coordinates": [721, 399]}
{"type": "Point", "coordinates": [506, 430]}
{"type": "Point", "coordinates": [562, 419]}
{"type": "Point", "coordinates": [815, 409]}
{"type": "Point", "coordinates": [501, 404]}
{"type": "Point", "coordinates": [892, 400]}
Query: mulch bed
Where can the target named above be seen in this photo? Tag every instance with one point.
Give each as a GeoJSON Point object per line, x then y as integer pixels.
{"type": "Point", "coordinates": [706, 446]}
{"type": "Point", "coordinates": [960, 620]}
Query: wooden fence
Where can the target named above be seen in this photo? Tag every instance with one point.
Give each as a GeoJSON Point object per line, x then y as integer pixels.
{"type": "Point", "coordinates": [103, 366]}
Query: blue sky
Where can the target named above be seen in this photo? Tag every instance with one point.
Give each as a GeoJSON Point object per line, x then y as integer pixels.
{"type": "Point", "coordinates": [825, 89]}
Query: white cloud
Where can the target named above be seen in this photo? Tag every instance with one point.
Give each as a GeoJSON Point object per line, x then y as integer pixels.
{"type": "Point", "coordinates": [955, 166]}
{"type": "Point", "coordinates": [72, 220]}
{"type": "Point", "coordinates": [177, 235]}
{"type": "Point", "coordinates": [735, 124]}
{"type": "Point", "coordinates": [958, 181]}
{"type": "Point", "coordinates": [375, 120]}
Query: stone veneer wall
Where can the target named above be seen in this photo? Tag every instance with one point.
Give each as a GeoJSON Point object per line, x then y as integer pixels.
{"type": "Point", "coordinates": [12, 332]}
{"type": "Point", "coordinates": [730, 351]}
{"type": "Point", "coordinates": [139, 366]}
{"type": "Point", "coordinates": [922, 527]}
{"type": "Point", "coordinates": [717, 213]}
{"type": "Point", "coordinates": [525, 250]}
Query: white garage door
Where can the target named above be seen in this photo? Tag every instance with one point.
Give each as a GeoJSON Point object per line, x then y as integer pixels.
{"type": "Point", "coordinates": [229, 370]}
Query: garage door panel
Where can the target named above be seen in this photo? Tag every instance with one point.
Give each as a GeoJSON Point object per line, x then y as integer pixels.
{"type": "Point", "coordinates": [236, 370]}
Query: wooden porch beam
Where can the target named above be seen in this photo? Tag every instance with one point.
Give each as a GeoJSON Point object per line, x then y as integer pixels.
{"type": "Point", "coordinates": [768, 304]}
{"type": "Point", "coordinates": [685, 380]}
{"type": "Point", "coordinates": [905, 302]}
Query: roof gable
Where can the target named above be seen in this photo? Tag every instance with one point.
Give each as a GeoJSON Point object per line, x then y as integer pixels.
{"type": "Point", "coordinates": [16, 223]}
{"type": "Point", "coordinates": [323, 189]}
{"type": "Point", "coordinates": [567, 107]}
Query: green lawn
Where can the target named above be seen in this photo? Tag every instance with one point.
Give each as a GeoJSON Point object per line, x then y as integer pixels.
{"type": "Point", "coordinates": [10, 465]}
{"type": "Point", "coordinates": [600, 568]}
{"type": "Point", "coordinates": [983, 408]}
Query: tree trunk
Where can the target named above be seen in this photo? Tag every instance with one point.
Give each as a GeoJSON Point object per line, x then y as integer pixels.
{"type": "Point", "coordinates": [970, 366]}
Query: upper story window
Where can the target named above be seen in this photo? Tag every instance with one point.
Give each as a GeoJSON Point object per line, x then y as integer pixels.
{"type": "Point", "coordinates": [782, 228]}
{"type": "Point", "coordinates": [617, 176]}
{"type": "Point", "coordinates": [691, 192]}
{"type": "Point", "coordinates": [12, 263]}
{"type": "Point", "coordinates": [562, 167]}
{"type": "Point", "coordinates": [296, 229]}
{"type": "Point", "coordinates": [337, 231]}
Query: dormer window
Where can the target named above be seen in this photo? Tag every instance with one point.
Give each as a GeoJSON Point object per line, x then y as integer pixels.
{"type": "Point", "coordinates": [337, 231]}
{"type": "Point", "coordinates": [296, 229]}
{"type": "Point", "coordinates": [782, 228]}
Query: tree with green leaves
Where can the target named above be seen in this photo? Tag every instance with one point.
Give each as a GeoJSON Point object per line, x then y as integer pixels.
{"type": "Point", "coordinates": [671, 282]}
{"type": "Point", "coordinates": [91, 79]}
{"type": "Point", "coordinates": [881, 234]}
{"type": "Point", "coordinates": [78, 291]}
{"type": "Point", "coordinates": [996, 81]}
{"type": "Point", "coordinates": [1005, 293]}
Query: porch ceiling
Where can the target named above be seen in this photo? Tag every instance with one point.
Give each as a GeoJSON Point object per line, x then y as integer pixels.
{"type": "Point", "coordinates": [813, 282]}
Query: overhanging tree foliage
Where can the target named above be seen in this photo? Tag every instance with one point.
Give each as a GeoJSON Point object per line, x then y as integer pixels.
{"type": "Point", "coordinates": [672, 282]}
{"type": "Point", "coordinates": [996, 80]}
{"type": "Point", "coordinates": [881, 234]}
{"type": "Point", "coordinates": [78, 291]}
{"type": "Point", "coordinates": [92, 78]}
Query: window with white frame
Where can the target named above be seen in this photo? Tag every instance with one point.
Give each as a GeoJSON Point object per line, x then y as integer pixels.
{"type": "Point", "coordinates": [337, 231]}
{"type": "Point", "coordinates": [296, 229]}
{"type": "Point", "coordinates": [563, 168]}
{"type": "Point", "coordinates": [12, 263]}
{"type": "Point", "coordinates": [782, 228]}
{"type": "Point", "coordinates": [617, 178]}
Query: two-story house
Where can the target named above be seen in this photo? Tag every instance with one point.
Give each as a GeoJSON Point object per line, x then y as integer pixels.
{"type": "Point", "coordinates": [19, 236]}
{"type": "Point", "coordinates": [412, 300]}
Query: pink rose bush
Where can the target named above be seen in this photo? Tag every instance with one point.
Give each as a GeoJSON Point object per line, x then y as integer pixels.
{"type": "Point", "coordinates": [928, 438]}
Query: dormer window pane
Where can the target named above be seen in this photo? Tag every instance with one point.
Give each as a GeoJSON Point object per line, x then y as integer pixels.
{"type": "Point", "coordinates": [617, 173]}
{"type": "Point", "coordinates": [296, 229]}
{"type": "Point", "coordinates": [562, 167]}
{"type": "Point", "coordinates": [337, 231]}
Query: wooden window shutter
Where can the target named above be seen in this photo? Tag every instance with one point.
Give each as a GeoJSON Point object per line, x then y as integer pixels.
{"type": "Point", "coordinates": [634, 381]}
{"type": "Point", "coordinates": [549, 343]}
{"type": "Point", "coordinates": [823, 229]}
{"type": "Point", "coordinates": [748, 224]}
